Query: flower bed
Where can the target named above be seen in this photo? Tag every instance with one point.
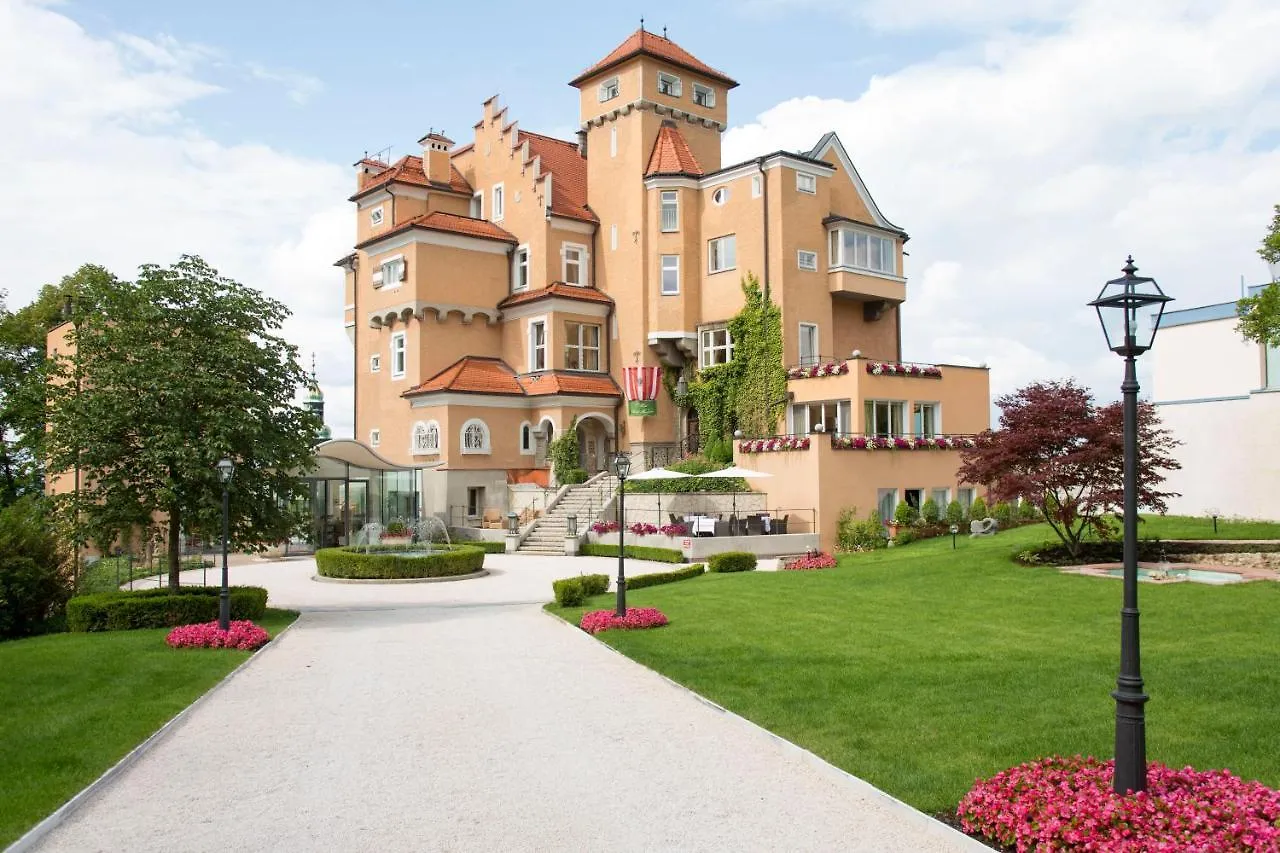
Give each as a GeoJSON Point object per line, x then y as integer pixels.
{"type": "Point", "coordinates": [773, 445]}
{"type": "Point", "coordinates": [637, 617]}
{"type": "Point", "coordinates": [1067, 803]}
{"type": "Point", "coordinates": [868, 442]}
{"type": "Point", "coordinates": [242, 634]}
{"type": "Point", "coordinates": [809, 371]}
{"type": "Point", "coordinates": [808, 562]}
{"type": "Point", "coordinates": [893, 368]}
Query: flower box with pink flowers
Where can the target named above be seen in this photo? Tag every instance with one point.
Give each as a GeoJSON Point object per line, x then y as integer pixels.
{"type": "Point", "coordinates": [774, 445]}
{"type": "Point", "coordinates": [882, 442]}
{"type": "Point", "coordinates": [894, 368]}
{"type": "Point", "coordinates": [811, 371]}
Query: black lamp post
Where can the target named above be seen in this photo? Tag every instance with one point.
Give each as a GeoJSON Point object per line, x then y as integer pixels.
{"type": "Point", "coordinates": [622, 467]}
{"type": "Point", "coordinates": [226, 470]}
{"type": "Point", "coordinates": [1129, 309]}
{"type": "Point", "coordinates": [955, 528]}
{"type": "Point", "coordinates": [1213, 513]}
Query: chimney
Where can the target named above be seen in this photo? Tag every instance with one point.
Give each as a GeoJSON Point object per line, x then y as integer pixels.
{"type": "Point", "coordinates": [582, 143]}
{"type": "Point", "coordinates": [435, 157]}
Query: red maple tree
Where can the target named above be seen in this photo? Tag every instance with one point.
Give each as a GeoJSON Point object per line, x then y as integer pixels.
{"type": "Point", "coordinates": [1059, 450]}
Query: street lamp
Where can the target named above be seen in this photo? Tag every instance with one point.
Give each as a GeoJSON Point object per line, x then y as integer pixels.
{"type": "Point", "coordinates": [226, 470]}
{"type": "Point", "coordinates": [955, 528]}
{"type": "Point", "coordinates": [1129, 309]}
{"type": "Point", "coordinates": [622, 467]}
{"type": "Point", "coordinates": [1214, 513]}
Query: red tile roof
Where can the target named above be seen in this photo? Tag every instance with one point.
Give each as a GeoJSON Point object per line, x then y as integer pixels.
{"type": "Point", "coordinates": [671, 154]}
{"type": "Point", "coordinates": [569, 174]}
{"type": "Point", "coordinates": [408, 170]}
{"type": "Point", "coordinates": [483, 375]}
{"type": "Point", "coordinates": [556, 288]}
{"type": "Point", "coordinates": [450, 223]}
{"type": "Point", "coordinates": [644, 42]}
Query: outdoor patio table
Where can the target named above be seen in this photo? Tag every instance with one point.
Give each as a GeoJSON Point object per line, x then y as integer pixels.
{"type": "Point", "coordinates": [700, 524]}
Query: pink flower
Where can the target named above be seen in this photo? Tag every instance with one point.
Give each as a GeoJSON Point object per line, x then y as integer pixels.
{"type": "Point", "coordinates": [820, 560]}
{"type": "Point", "coordinates": [241, 634]}
{"type": "Point", "coordinates": [637, 617]}
{"type": "Point", "coordinates": [673, 529]}
{"type": "Point", "coordinates": [641, 528]}
{"type": "Point", "coordinates": [604, 527]}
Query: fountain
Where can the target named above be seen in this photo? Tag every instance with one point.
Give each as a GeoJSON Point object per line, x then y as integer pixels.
{"type": "Point", "coordinates": [422, 533]}
{"type": "Point", "coordinates": [370, 534]}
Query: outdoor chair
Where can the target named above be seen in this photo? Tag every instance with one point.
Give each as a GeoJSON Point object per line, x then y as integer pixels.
{"type": "Point", "coordinates": [674, 519]}
{"type": "Point", "coordinates": [780, 524]}
{"type": "Point", "coordinates": [755, 526]}
{"type": "Point", "coordinates": [492, 519]}
{"type": "Point", "coordinates": [722, 528]}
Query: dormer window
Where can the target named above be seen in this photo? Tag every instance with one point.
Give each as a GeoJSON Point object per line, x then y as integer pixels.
{"type": "Point", "coordinates": [375, 217]}
{"type": "Point", "coordinates": [609, 89]}
{"type": "Point", "coordinates": [704, 96]}
{"type": "Point", "coordinates": [668, 84]}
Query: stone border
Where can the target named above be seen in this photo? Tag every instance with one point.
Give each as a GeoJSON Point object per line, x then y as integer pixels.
{"type": "Point", "coordinates": [36, 834]}
{"type": "Point", "coordinates": [477, 574]}
{"type": "Point", "coordinates": [1242, 573]}
{"type": "Point", "coordinates": [863, 786]}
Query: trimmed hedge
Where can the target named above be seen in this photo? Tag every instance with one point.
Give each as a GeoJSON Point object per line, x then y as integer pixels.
{"type": "Point", "coordinates": [732, 561]}
{"type": "Point", "coordinates": [635, 552]}
{"type": "Point", "coordinates": [659, 578]}
{"type": "Point", "coordinates": [160, 608]}
{"type": "Point", "coordinates": [570, 592]}
{"type": "Point", "coordinates": [1149, 551]}
{"type": "Point", "coordinates": [384, 563]}
{"type": "Point", "coordinates": [499, 547]}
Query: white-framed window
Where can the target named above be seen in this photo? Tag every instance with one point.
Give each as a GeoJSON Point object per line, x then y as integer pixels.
{"type": "Point", "coordinates": [477, 205]}
{"type": "Point", "coordinates": [574, 263]}
{"type": "Point", "coordinates": [965, 496]}
{"type": "Point", "coordinates": [831, 415]}
{"type": "Point", "coordinates": [582, 346]}
{"type": "Point", "coordinates": [806, 183]}
{"type": "Point", "coordinates": [886, 504]}
{"type": "Point", "coordinates": [609, 89]}
{"type": "Point", "coordinates": [499, 202]}
{"type": "Point", "coordinates": [809, 353]}
{"type": "Point", "coordinates": [670, 204]}
{"type": "Point", "coordinates": [861, 250]}
{"type": "Point", "coordinates": [757, 185]}
{"type": "Point", "coordinates": [426, 438]}
{"type": "Point", "coordinates": [613, 238]}
{"type": "Point", "coordinates": [807, 260]}
{"type": "Point", "coordinates": [375, 437]}
{"type": "Point", "coordinates": [391, 273]}
{"type": "Point", "coordinates": [375, 363]}
{"type": "Point", "coordinates": [668, 84]}
{"type": "Point", "coordinates": [926, 419]}
{"type": "Point", "coordinates": [670, 275]}
{"type": "Point", "coordinates": [613, 141]}
{"type": "Point", "coordinates": [722, 253]}
{"type": "Point", "coordinates": [720, 196]}
{"type": "Point", "coordinates": [375, 217]}
{"type": "Point", "coordinates": [537, 345]}
{"type": "Point", "coordinates": [716, 346]}
{"type": "Point", "coordinates": [885, 417]}
{"type": "Point", "coordinates": [475, 501]}
{"type": "Point", "coordinates": [704, 96]}
{"type": "Point", "coordinates": [475, 436]}
{"type": "Point", "coordinates": [399, 356]}
{"type": "Point", "coordinates": [526, 438]}
{"type": "Point", "coordinates": [520, 269]}
{"type": "Point", "coordinates": [941, 497]}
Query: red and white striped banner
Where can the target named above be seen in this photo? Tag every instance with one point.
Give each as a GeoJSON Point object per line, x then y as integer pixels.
{"type": "Point", "coordinates": [642, 383]}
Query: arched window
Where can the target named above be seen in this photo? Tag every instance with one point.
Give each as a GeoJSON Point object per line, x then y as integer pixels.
{"type": "Point", "coordinates": [426, 437]}
{"type": "Point", "coordinates": [526, 438]}
{"type": "Point", "coordinates": [475, 436]}
{"type": "Point", "coordinates": [548, 428]}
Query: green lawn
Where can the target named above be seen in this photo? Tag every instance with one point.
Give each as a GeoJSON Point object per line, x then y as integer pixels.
{"type": "Point", "coordinates": [920, 668]}
{"type": "Point", "coordinates": [1191, 527]}
{"type": "Point", "coordinates": [71, 705]}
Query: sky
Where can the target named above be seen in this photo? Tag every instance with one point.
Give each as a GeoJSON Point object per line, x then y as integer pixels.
{"type": "Point", "coordinates": [1027, 146]}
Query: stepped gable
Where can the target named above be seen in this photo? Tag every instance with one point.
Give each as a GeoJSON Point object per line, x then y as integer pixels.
{"type": "Point", "coordinates": [408, 170]}
{"type": "Point", "coordinates": [643, 42]}
{"type": "Point", "coordinates": [671, 154]}
{"type": "Point", "coordinates": [568, 169]}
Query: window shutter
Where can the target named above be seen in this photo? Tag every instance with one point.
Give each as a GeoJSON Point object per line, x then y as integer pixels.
{"type": "Point", "coordinates": [377, 278]}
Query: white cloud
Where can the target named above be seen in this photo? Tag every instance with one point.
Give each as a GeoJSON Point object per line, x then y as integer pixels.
{"type": "Point", "coordinates": [1026, 166]}
{"type": "Point", "coordinates": [101, 166]}
{"type": "Point", "coordinates": [970, 15]}
{"type": "Point", "coordinates": [300, 88]}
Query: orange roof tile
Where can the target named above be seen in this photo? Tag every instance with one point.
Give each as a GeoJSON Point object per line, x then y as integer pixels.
{"type": "Point", "coordinates": [569, 174]}
{"type": "Point", "coordinates": [448, 222]}
{"type": "Point", "coordinates": [556, 288]}
{"type": "Point", "coordinates": [671, 154]}
{"type": "Point", "coordinates": [473, 374]}
{"type": "Point", "coordinates": [644, 42]}
{"type": "Point", "coordinates": [563, 382]}
{"type": "Point", "coordinates": [408, 170]}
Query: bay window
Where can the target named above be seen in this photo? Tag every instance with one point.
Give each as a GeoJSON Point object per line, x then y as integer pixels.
{"type": "Point", "coordinates": [861, 250]}
{"type": "Point", "coordinates": [670, 275]}
{"type": "Point", "coordinates": [520, 269]}
{"type": "Point", "coordinates": [582, 346]}
{"type": "Point", "coordinates": [537, 345]}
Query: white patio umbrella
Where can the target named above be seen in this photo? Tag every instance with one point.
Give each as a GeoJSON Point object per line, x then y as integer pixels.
{"type": "Point", "coordinates": [659, 474]}
{"type": "Point", "coordinates": [734, 471]}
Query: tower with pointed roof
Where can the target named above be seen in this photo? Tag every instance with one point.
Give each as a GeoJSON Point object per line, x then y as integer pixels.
{"type": "Point", "coordinates": [315, 403]}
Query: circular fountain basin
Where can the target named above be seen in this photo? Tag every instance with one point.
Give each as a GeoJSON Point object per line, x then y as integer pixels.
{"type": "Point", "coordinates": [380, 564]}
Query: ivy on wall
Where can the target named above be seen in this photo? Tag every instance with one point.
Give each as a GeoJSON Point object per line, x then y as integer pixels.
{"type": "Point", "coordinates": [748, 393]}
{"type": "Point", "coordinates": [564, 456]}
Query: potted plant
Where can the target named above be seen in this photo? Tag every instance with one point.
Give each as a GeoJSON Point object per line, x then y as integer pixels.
{"type": "Point", "coordinates": [396, 533]}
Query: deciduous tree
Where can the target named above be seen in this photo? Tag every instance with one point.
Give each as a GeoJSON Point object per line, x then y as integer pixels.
{"type": "Point", "coordinates": [1260, 314]}
{"type": "Point", "coordinates": [171, 373]}
{"type": "Point", "coordinates": [1059, 450]}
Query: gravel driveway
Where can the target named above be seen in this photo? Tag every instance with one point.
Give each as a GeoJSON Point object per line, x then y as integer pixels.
{"type": "Point", "coordinates": [459, 717]}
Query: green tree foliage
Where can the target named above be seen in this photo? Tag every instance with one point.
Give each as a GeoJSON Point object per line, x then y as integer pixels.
{"type": "Point", "coordinates": [748, 393]}
{"type": "Point", "coordinates": [1260, 314]}
{"type": "Point", "coordinates": [564, 454]}
{"type": "Point", "coordinates": [170, 374]}
{"type": "Point", "coordinates": [35, 581]}
{"type": "Point", "coordinates": [978, 509]}
{"type": "Point", "coordinates": [930, 512]}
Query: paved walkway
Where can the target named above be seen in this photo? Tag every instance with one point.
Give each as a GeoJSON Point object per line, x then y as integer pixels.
{"type": "Point", "coordinates": [459, 717]}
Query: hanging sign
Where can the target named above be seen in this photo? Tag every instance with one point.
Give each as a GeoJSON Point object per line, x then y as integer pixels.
{"type": "Point", "coordinates": [641, 385]}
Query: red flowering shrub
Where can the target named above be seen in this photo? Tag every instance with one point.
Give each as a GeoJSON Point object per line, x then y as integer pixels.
{"type": "Point", "coordinates": [207, 635]}
{"type": "Point", "coordinates": [676, 529]}
{"type": "Point", "coordinates": [1067, 803]}
{"type": "Point", "coordinates": [637, 617]}
{"type": "Point", "coordinates": [643, 528]}
{"type": "Point", "coordinates": [604, 527]}
{"type": "Point", "coordinates": [820, 560]}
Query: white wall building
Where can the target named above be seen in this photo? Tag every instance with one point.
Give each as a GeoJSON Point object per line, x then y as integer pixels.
{"type": "Point", "coordinates": [1220, 396]}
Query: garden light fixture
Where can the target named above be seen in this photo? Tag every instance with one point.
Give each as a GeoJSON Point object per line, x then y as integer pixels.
{"type": "Point", "coordinates": [1214, 514]}
{"type": "Point", "coordinates": [513, 524]}
{"type": "Point", "coordinates": [571, 525]}
{"type": "Point", "coordinates": [622, 467]}
{"type": "Point", "coordinates": [1129, 310]}
{"type": "Point", "coordinates": [955, 528]}
{"type": "Point", "coordinates": [226, 470]}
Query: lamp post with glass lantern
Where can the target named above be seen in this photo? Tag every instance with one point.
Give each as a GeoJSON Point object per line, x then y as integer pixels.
{"type": "Point", "coordinates": [622, 467]}
{"type": "Point", "coordinates": [226, 470]}
{"type": "Point", "coordinates": [1129, 309]}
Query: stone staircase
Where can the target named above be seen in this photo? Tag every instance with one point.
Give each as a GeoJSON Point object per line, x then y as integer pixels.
{"type": "Point", "coordinates": [585, 501]}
